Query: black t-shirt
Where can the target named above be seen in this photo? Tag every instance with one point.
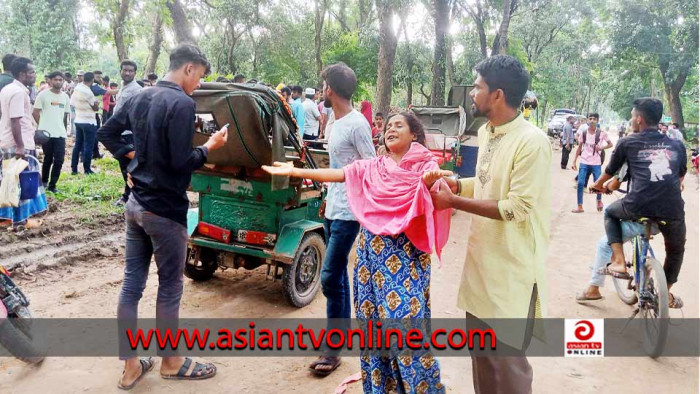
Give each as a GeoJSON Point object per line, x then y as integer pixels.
{"type": "Point", "coordinates": [656, 164]}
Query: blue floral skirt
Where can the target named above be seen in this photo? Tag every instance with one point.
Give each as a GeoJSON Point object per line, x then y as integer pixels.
{"type": "Point", "coordinates": [392, 281]}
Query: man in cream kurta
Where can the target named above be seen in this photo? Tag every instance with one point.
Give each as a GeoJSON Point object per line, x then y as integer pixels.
{"type": "Point", "coordinates": [509, 199]}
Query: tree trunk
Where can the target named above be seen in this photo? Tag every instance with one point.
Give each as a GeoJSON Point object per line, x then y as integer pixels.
{"type": "Point", "coordinates": [387, 53]}
{"type": "Point", "coordinates": [155, 45]}
{"type": "Point", "coordinates": [500, 42]}
{"type": "Point", "coordinates": [118, 30]}
{"type": "Point", "coordinates": [320, 10]}
{"type": "Point", "coordinates": [181, 25]}
{"type": "Point", "coordinates": [441, 16]}
{"type": "Point", "coordinates": [672, 90]}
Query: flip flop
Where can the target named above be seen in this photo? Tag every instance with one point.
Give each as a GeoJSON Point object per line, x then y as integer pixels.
{"type": "Point", "coordinates": [582, 298]}
{"type": "Point", "coordinates": [332, 361]}
{"type": "Point", "coordinates": [199, 372]}
{"type": "Point", "coordinates": [576, 210]}
{"type": "Point", "coordinates": [614, 274]}
{"type": "Point", "coordinates": [676, 302]}
{"type": "Point", "coordinates": [146, 365]}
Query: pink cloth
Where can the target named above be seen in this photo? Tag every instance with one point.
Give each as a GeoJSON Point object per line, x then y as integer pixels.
{"type": "Point", "coordinates": [366, 110]}
{"type": "Point", "coordinates": [390, 199]}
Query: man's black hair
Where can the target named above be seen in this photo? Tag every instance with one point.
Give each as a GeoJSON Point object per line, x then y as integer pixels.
{"type": "Point", "coordinates": [379, 115]}
{"type": "Point", "coordinates": [67, 74]}
{"type": "Point", "coordinates": [55, 74]}
{"type": "Point", "coordinates": [341, 79]}
{"type": "Point", "coordinates": [105, 78]}
{"type": "Point", "coordinates": [152, 77]}
{"type": "Point", "coordinates": [593, 115]}
{"type": "Point", "coordinates": [506, 73]}
{"type": "Point", "coordinates": [188, 53]}
{"type": "Point", "coordinates": [7, 61]}
{"type": "Point", "coordinates": [113, 84]}
{"type": "Point", "coordinates": [297, 89]}
{"type": "Point", "coordinates": [20, 65]}
{"type": "Point", "coordinates": [128, 63]}
{"type": "Point", "coordinates": [97, 72]}
{"type": "Point", "coordinates": [650, 109]}
{"type": "Point", "coordinates": [676, 125]}
{"type": "Point", "coordinates": [287, 90]}
{"type": "Point", "coordinates": [88, 77]}
{"type": "Point", "coordinates": [238, 78]}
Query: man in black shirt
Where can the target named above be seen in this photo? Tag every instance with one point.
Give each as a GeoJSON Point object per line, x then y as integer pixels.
{"type": "Point", "coordinates": [657, 165]}
{"type": "Point", "coordinates": [162, 161]}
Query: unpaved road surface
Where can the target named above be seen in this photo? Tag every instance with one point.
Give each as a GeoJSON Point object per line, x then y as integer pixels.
{"type": "Point", "coordinates": [76, 271]}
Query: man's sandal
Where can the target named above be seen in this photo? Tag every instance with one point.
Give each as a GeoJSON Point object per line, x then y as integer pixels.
{"type": "Point", "coordinates": [199, 372]}
{"type": "Point", "coordinates": [581, 298]}
{"type": "Point", "coordinates": [577, 210]}
{"type": "Point", "coordinates": [614, 274]}
{"type": "Point", "coordinates": [676, 302]}
{"type": "Point", "coordinates": [334, 362]}
{"type": "Point", "coordinates": [146, 365]}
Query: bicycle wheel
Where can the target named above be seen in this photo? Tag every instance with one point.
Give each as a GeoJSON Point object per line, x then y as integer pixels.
{"type": "Point", "coordinates": [654, 308]}
{"type": "Point", "coordinates": [625, 288]}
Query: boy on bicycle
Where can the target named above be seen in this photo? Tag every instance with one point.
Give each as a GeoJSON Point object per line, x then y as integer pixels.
{"type": "Point", "coordinates": [657, 165]}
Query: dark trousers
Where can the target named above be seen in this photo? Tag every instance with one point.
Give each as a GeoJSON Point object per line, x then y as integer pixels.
{"type": "Point", "coordinates": [504, 374]}
{"type": "Point", "coordinates": [96, 146]}
{"type": "Point", "coordinates": [149, 235]}
{"type": "Point", "coordinates": [54, 154]}
{"type": "Point", "coordinates": [565, 156]}
{"type": "Point", "coordinates": [85, 137]}
{"type": "Point", "coordinates": [673, 231]}
{"type": "Point", "coordinates": [123, 164]}
{"type": "Point", "coordinates": [310, 137]}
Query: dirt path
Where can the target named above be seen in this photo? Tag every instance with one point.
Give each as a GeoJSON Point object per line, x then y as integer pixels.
{"type": "Point", "coordinates": [77, 272]}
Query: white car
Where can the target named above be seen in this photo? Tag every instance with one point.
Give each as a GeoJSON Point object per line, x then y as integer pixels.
{"type": "Point", "coordinates": [556, 122]}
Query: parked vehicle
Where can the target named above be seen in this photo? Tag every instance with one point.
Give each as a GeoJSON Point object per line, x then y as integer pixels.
{"type": "Point", "coordinates": [247, 218]}
{"type": "Point", "coordinates": [557, 120]}
{"type": "Point", "coordinates": [15, 322]}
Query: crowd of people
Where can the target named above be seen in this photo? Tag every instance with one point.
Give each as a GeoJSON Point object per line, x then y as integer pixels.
{"type": "Point", "coordinates": [396, 204]}
{"type": "Point", "coordinates": [60, 107]}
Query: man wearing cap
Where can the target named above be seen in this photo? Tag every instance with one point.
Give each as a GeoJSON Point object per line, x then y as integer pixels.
{"type": "Point", "coordinates": [311, 115]}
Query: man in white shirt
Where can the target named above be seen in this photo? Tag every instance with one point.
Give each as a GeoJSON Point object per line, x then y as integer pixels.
{"type": "Point", "coordinates": [311, 115]}
{"type": "Point", "coordinates": [52, 111]}
{"type": "Point", "coordinates": [85, 105]}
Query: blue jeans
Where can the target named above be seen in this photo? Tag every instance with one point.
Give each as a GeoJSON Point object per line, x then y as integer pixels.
{"type": "Point", "coordinates": [335, 282]}
{"type": "Point", "coordinates": [85, 137]}
{"type": "Point", "coordinates": [583, 171]}
{"type": "Point", "coordinates": [148, 234]}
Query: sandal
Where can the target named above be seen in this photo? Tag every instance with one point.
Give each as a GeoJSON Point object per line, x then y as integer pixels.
{"type": "Point", "coordinates": [577, 210]}
{"type": "Point", "coordinates": [146, 365]}
{"type": "Point", "coordinates": [676, 302]}
{"type": "Point", "coordinates": [323, 360]}
{"type": "Point", "coordinates": [199, 372]}
{"type": "Point", "coordinates": [614, 274]}
{"type": "Point", "coordinates": [581, 298]}
{"type": "Point", "coordinates": [600, 206]}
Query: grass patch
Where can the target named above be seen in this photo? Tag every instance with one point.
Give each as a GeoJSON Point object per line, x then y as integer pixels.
{"type": "Point", "coordinates": [92, 197]}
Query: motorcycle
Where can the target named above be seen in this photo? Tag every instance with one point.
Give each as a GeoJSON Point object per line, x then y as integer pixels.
{"type": "Point", "coordinates": [15, 322]}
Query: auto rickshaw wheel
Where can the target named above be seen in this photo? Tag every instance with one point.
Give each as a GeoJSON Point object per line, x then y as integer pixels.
{"type": "Point", "coordinates": [302, 278]}
{"type": "Point", "coordinates": [203, 268]}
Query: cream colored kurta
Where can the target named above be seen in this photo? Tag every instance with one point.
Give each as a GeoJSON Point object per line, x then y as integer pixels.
{"type": "Point", "coordinates": [506, 258]}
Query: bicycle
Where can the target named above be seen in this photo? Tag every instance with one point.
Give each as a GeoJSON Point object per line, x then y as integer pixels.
{"type": "Point", "coordinates": [647, 288]}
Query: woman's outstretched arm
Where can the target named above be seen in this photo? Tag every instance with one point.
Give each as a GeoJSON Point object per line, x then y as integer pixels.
{"type": "Point", "coordinates": [319, 175]}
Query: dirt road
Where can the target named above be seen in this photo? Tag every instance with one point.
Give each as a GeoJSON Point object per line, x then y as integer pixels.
{"type": "Point", "coordinates": [72, 271]}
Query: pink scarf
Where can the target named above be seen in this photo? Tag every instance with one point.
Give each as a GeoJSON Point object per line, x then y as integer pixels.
{"type": "Point", "coordinates": [390, 199]}
{"type": "Point", "coordinates": [366, 110]}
